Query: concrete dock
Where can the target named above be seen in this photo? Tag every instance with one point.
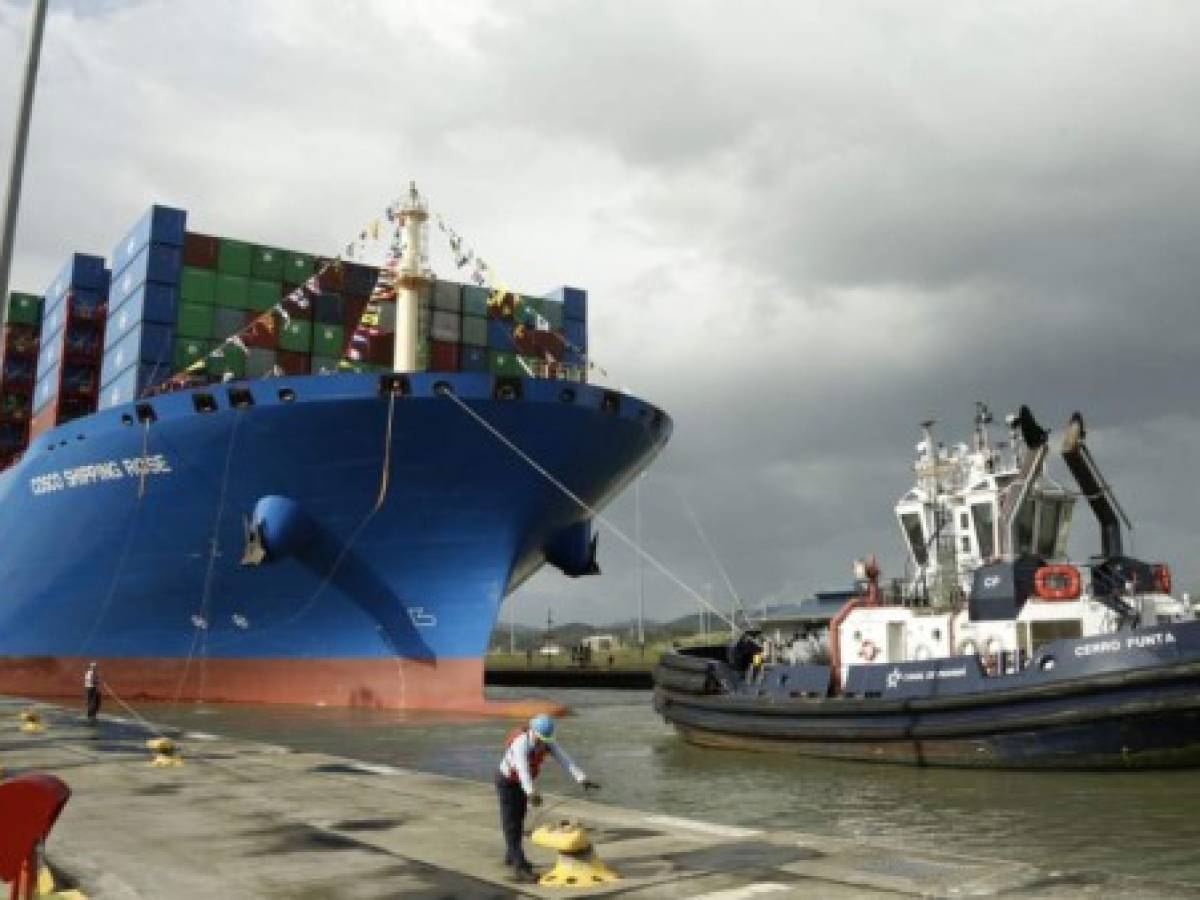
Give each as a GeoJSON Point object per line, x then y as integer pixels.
{"type": "Point", "coordinates": [242, 819]}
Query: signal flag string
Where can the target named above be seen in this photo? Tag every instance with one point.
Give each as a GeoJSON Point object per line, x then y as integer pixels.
{"type": "Point", "coordinates": [590, 510]}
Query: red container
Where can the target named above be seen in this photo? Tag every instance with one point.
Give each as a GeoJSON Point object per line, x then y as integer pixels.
{"type": "Point", "coordinates": [262, 333]}
{"type": "Point", "coordinates": [45, 419]}
{"type": "Point", "coordinates": [330, 276]}
{"type": "Point", "coordinates": [293, 363]}
{"type": "Point", "coordinates": [443, 356]}
{"type": "Point", "coordinates": [376, 349]}
{"type": "Point", "coordinates": [354, 311]}
{"type": "Point", "coordinates": [200, 250]}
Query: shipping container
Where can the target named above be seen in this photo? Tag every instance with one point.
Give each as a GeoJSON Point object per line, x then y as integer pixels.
{"type": "Point", "coordinates": [234, 257]}
{"type": "Point", "coordinates": [573, 300]}
{"type": "Point", "coordinates": [198, 285]}
{"type": "Point", "coordinates": [262, 331]}
{"type": "Point", "coordinates": [296, 335]}
{"type": "Point", "coordinates": [445, 326]}
{"type": "Point", "coordinates": [227, 322]}
{"type": "Point", "coordinates": [447, 295]}
{"type": "Point", "coordinates": [474, 359]}
{"type": "Point", "coordinates": [161, 225]}
{"type": "Point", "coordinates": [325, 365]}
{"type": "Point", "coordinates": [501, 306]}
{"type": "Point", "coordinates": [575, 334]}
{"type": "Point", "coordinates": [149, 303]}
{"type": "Point", "coordinates": [263, 295]}
{"type": "Point", "coordinates": [503, 363]}
{"type": "Point", "coordinates": [291, 363]}
{"type": "Point", "coordinates": [443, 356]}
{"type": "Point", "coordinates": [226, 359]}
{"type": "Point", "coordinates": [331, 278]}
{"type": "Point", "coordinates": [195, 321]}
{"type": "Point", "coordinates": [329, 309]}
{"type": "Point", "coordinates": [200, 250]}
{"type": "Point", "coordinates": [266, 263]}
{"type": "Point", "coordinates": [153, 263]}
{"type": "Point", "coordinates": [146, 342]}
{"type": "Point", "coordinates": [475, 331]}
{"type": "Point", "coordinates": [500, 334]}
{"type": "Point", "coordinates": [187, 351]}
{"type": "Point", "coordinates": [232, 291]}
{"type": "Point", "coordinates": [24, 309]}
{"type": "Point", "coordinates": [297, 267]}
{"type": "Point", "coordinates": [259, 362]}
{"type": "Point", "coordinates": [82, 270]}
{"type": "Point", "coordinates": [328, 340]}
{"type": "Point", "coordinates": [46, 390]}
{"type": "Point", "coordinates": [373, 349]}
{"type": "Point", "coordinates": [475, 300]}
{"type": "Point", "coordinates": [129, 385]}
{"type": "Point", "coordinates": [358, 279]}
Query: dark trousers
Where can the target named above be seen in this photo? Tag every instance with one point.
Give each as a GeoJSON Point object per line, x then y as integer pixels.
{"type": "Point", "coordinates": [513, 803]}
{"type": "Point", "coordinates": [93, 702]}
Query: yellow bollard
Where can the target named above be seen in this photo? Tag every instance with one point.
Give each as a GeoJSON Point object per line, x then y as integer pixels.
{"type": "Point", "coordinates": [31, 721]}
{"type": "Point", "coordinates": [166, 753]}
{"type": "Point", "coordinates": [577, 864]}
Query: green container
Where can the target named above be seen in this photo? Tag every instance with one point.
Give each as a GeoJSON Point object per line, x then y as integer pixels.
{"type": "Point", "coordinates": [552, 311]}
{"type": "Point", "coordinates": [474, 331]}
{"type": "Point", "coordinates": [325, 364]}
{"type": "Point", "coordinates": [328, 340]}
{"type": "Point", "coordinates": [297, 336]}
{"type": "Point", "coordinates": [447, 295]}
{"type": "Point", "coordinates": [267, 263]}
{"type": "Point", "coordinates": [232, 291]}
{"type": "Point", "coordinates": [197, 285]}
{"type": "Point", "coordinates": [188, 350]}
{"type": "Point", "coordinates": [501, 362]}
{"type": "Point", "coordinates": [475, 301]}
{"type": "Point", "coordinates": [195, 321]}
{"type": "Point", "coordinates": [259, 362]}
{"type": "Point", "coordinates": [24, 309]}
{"type": "Point", "coordinates": [231, 360]}
{"type": "Point", "coordinates": [262, 295]}
{"type": "Point", "coordinates": [235, 257]}
{"type": "Point", "coordinates": [297, 267]}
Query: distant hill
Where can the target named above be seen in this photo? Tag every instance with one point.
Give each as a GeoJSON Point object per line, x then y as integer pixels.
{"type": "Point", "coordinates": [527, 637]}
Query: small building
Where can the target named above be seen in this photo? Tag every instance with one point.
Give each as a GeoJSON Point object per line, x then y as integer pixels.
{"type": "Point", "coordinates": [808, 616]}
{"type": "Point", "coordinates": [549, 650]}
{"type": "Point", "coordinates": [600, 643]}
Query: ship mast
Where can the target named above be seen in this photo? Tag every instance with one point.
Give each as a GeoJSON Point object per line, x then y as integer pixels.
{"type": "Point", "coordinates": [411, 279]}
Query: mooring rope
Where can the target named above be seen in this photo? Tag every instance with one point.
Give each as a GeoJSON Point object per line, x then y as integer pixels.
{"type": "Point", "coordinates": [589, 509]}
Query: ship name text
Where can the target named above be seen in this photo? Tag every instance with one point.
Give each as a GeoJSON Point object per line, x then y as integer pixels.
{"type": "Point", "coordinates": [96, 473]}
{"type": "Point", "coordinates": [1133, 642]}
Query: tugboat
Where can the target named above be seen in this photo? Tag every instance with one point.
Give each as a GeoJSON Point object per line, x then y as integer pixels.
{"type": "Point", "coordinates": [996, 651]}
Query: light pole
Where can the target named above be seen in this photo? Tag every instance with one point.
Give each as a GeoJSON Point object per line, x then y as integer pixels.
{"type": "Point", "coordinates": [16, 166]}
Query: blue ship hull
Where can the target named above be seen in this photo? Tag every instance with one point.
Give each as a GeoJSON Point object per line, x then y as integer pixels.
{"type": "Point", "coordinates": [124, 538]}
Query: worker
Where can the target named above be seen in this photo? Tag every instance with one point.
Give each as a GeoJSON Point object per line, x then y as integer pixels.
{"type": "Point", "coordinates": [91, 687]}
{"type": "Point", "coordinates": [524, 752]}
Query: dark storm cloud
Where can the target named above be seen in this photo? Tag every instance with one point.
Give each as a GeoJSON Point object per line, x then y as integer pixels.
{"type": "Point", "coordinates": [805, 227]}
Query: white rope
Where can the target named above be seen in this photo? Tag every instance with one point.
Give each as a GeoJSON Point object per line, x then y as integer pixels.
{"type": "Point", "coordinates": [711, 552]}
{"type": "Point", "coordinates": [591, 511]}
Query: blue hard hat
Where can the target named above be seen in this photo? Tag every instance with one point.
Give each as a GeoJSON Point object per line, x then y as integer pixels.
{"type": "Point", "coordinates": [543, 727]}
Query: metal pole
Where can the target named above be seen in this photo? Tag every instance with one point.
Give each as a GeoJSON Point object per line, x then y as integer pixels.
{"type": "Point", "coordinates": [637, 508]}
{"type": "Point", "coordinates": [16, 167]}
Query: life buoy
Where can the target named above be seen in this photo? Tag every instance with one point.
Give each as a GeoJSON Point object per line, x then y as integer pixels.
{"type": "Point", "coordinates": [1057, 582]}
{"type": "Point", "coordinates": [1162, 578]}
{"type": "Point", "coordinates": [868, 650]}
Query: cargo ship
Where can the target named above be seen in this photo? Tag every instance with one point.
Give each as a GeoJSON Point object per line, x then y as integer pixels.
{"type": "Point", "coordinates": [254, 475]}
{"type": "Point", "coordinates": [997, 650]}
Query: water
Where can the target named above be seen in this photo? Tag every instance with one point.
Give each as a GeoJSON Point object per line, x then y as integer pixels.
{"type": "Point", "coordinates": [1135, 823]}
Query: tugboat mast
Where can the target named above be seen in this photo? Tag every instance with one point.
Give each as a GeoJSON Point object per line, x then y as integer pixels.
{"type": "Point", "coordinates": [412, 278]}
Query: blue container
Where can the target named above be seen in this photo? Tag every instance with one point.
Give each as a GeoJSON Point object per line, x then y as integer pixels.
{"type": "Point", "coordinates": [358, 280]}
{"type": "Point", "coordinates": [50, 355]}
{"type": "Point", "coordinates": [574, 301]}
{"type": "Point", "coordinates": [500, 335]}
{"type": "Point", "coordinates": [158, 225]}
{"type": "Point", "coordinates": [146, 342]}
{"type": "Point", "coordinates": [47, 389]}
{"type": "Point", "coordinates": [329, 309]}
{"type": "Point", "coordinates": [474, 359]}
{"type": "Point", "coordinates": [129, 385]}
{"type": "Point", "coordinates": [575, 333]}
{"type": "Point", "coordinates": [81, 271]}
{"type": "Point", "coordinates": [154, 263]}
{"type": "Point", "coordinates": [150, 303]}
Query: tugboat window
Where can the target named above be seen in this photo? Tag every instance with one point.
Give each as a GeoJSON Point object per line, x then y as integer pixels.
{"type": "Point", "coordinates": [1023, 528]}
{"type": "Point", "coordinates": [985, 529]}
{"type": "Point", "coordinates": [916, 536]}
{"type": "Point", "coordinates": [1047, 528]}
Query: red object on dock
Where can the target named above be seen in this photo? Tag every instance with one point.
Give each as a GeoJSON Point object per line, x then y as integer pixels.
{"type": "Point", "coordinates": [29, 807]}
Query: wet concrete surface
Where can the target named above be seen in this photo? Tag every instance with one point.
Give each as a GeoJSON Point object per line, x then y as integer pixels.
{"type": "Point", "coordinates": [248, 819]}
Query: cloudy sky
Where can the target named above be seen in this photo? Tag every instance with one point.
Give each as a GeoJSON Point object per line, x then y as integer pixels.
{"type": "Point", "coordinates": [804, 227]}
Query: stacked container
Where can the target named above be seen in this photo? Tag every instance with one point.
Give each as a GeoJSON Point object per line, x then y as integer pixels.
{"type": "Point", "coordinates": [18, 365]}
{"type": "Point", "coordinates": [143, 307]}
{"type": "Point", "coordinates": [72, 342]}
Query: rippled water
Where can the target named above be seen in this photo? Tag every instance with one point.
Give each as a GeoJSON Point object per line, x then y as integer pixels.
{"type": "Point", "coordinates": [1126, 822]}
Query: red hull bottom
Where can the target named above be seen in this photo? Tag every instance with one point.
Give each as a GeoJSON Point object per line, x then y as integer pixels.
{"type": "Point", "coordinates": [452, 685]}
